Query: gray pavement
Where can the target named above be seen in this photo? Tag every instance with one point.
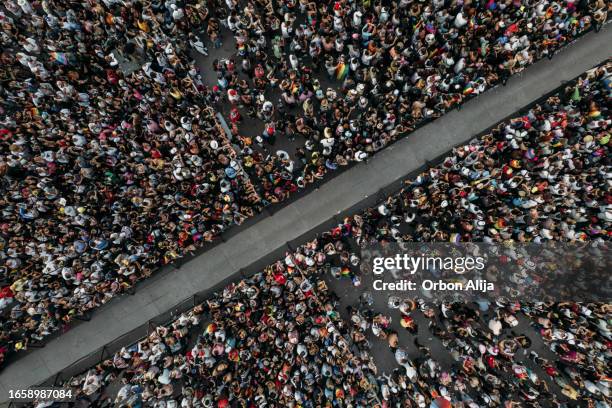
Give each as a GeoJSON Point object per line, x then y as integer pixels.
{"type": "Point", "coordinates": [169, 287]}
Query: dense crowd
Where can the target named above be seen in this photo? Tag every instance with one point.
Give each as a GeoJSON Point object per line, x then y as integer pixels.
{"type": "Point", "coordinates": [279, 337]}
{"type": "Point", "coordinates": [349, 77]}
{"type": "Point", "coordinates": [491, 364]}
{"type": "Point", "coordinates": [271, 339]}
{"type": "Point", "coordinates": [113, 162]}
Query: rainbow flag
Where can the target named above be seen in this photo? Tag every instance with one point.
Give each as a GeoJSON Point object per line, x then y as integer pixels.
{"type": "Point", "coordinates": [341, 71]}
{"type": "Point", "coordinates": [60, 57]}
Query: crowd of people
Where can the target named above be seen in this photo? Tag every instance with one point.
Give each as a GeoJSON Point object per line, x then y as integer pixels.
{"type": "Point", "coordinates": [271, 339]}
{"type": "Point", "coordinates": [347, 78]}
{"type": "Point", "coordinates": [113, 162]}
{"type": "Point", "coordinates": [491, 364]}
{"type": "Point", "coordinates": [279, 337]}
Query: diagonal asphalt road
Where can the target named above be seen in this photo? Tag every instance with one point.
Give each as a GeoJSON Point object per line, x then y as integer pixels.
{"type": "Point", "coordinates": [168, 288]}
